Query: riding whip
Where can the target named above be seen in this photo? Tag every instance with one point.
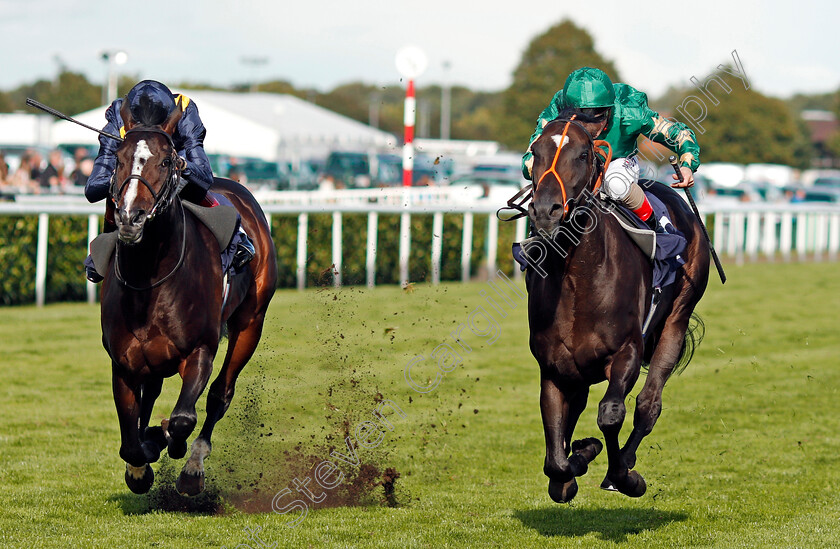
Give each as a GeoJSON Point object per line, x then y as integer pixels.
{"type": "Point", "coordinates": [673, 161]}
{"type": "Point", "coordinates": [32, 103]}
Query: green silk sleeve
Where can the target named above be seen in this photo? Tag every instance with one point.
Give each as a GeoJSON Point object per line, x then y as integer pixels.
{"type": "Point", "coordinates": [675, 135]}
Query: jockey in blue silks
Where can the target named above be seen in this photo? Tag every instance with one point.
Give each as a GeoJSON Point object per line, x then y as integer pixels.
{"type": "Point", "coordinates": [189, 142]}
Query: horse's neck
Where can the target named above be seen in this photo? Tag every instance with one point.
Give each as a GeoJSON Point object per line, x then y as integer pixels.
{"type": "Point", "coordinates": [578, 251]}
{"type": "Point", "coordinates": [158, 250]}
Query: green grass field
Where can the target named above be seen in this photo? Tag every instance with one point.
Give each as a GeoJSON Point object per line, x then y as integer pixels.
{"type": "Point", "coordinates": [744, 455]}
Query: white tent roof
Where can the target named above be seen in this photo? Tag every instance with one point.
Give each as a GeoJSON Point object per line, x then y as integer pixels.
{"type": "Point", "coordinates": [25, 129]}
{"type": "Point", "coordinates": [255, 124]}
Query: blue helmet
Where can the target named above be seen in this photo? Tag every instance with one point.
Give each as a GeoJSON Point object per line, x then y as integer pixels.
{"type": "Point", "coordinates": [150, 103]}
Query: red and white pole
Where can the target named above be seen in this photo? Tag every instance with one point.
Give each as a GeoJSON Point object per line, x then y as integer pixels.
{"type": "Point", "coordinates": [411, 62]}
{"type": "Point", "coordinates": [409, 119]}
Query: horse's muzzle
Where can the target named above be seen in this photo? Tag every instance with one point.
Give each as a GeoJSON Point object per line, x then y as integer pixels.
{"type": "Point", "coordinates": [130, 225]}
{"type": "Point", "coordinates": [546, 217]}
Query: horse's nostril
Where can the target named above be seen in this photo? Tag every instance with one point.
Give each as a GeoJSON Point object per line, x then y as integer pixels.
{"type": "Point", "coordinates": [555, 208]}
{"type": "Point", "coordinates": [138, 217]}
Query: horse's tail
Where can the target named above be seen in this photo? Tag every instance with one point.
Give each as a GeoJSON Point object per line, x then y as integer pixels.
{"type": "Point", "coordinates": [694, 334]}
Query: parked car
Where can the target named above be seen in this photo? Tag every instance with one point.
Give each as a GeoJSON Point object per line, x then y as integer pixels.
{"type": "Point", "coordinates": [494, 185]}
{"type": "Point", "coordinates": [364, 170]}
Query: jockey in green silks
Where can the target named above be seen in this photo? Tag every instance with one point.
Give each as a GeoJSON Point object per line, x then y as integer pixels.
{"type": "Point", "coordinates": [624, 115]}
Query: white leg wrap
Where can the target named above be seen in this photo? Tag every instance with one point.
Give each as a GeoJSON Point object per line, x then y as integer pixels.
{"type": "Point", "coordinates": [198, 452]}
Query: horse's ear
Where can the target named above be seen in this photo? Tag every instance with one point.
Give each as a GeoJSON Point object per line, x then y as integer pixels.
{"type": "Point", "coordinates": [125, 114]}
{"type": "Point", "coordinates": [172, 120]}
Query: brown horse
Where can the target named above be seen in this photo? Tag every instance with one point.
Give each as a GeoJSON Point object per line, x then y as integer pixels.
{"type": "Point", "coordinates": [586, 308]}
{"type": "Point", "coordinates": [162, 305]}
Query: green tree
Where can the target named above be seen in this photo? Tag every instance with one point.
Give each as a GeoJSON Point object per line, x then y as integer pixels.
{"type": "Point", "coordinates": [70, 93]}
{"type": "Point", "coordinates": [747, 127]}
{"type": "Point", "coordinates": [546, 63]}
{"type": "Point", "coordinates": [6, 102]}
{"type": "Point", "coordinates": [832, 144]}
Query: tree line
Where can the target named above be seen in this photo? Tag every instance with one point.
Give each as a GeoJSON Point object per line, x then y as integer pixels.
{"type": "Point", "coordinates": [746, 126]}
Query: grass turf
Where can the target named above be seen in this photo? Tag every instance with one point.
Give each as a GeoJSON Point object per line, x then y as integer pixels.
{"type": "Point", "coordinates": [744, 455]}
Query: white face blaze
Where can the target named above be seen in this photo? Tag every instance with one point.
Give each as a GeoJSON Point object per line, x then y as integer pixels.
{"type": "Point", "coordinates": [560, 140]}
{"type": "Point", "coordinates": [141, 155]}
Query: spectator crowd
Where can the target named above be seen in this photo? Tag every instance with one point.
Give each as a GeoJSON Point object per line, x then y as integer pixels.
{"type": "Point", "coordinates": [31, 173]}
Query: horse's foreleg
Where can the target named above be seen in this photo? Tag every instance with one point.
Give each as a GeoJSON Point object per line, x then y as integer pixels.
{"type": "Point", "coordinates": [138, 475]}
{"type": "Point", "coordinates": [649, 401]}
{"type": "Point", "coordinates": [555, 408]}
{"type": "Point", "coordinates": [151, 436]}
{"type": "Point", "coordinates": [195, 372]}
{"type": "Point", "coordinates": [585, 450]}
{"type": "Point", "coordinates": [622, 373]}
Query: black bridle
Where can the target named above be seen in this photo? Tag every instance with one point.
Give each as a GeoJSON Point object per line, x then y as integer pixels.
{"type": "Point", "coordinates": [162, 200]}
{"type": "Point", "coordinates": [168, 191]}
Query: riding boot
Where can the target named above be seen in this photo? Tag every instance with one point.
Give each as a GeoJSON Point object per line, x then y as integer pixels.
{"type": "Point", "coordinates": [109, 226]}
{"type": "Point", "coordinates": [654, 225]}
{"type": "Point", "coordinates": [245, 251]}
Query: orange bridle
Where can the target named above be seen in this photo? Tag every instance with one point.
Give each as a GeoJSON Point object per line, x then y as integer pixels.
{"type": "Point", "coordinates": [553, 168]}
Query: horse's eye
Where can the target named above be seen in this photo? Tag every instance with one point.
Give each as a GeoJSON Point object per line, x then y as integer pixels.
{"type": "Point", "coordinates": [583, 156]}
{"type": "Point", "coordinates": [167, 162]}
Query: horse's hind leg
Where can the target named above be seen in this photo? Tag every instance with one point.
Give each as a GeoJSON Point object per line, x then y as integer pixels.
{"type": "Point", "coordinates": [137, 454]}
{"type": "Point", "coordinates": [622, 373]}
{"type": "Point", "coordinates": [649, 401]}
{"type": "Point", "coordinates": [241, 346]}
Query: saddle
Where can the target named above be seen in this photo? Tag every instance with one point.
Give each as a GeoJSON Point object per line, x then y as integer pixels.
{"type": "Point", "coordinates": [222, 220]}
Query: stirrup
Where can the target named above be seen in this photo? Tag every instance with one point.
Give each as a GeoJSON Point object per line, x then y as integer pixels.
{"type": "Point", "coordinates": [93, 276]}
{"type": "Point", "coordinates": [245, 252]}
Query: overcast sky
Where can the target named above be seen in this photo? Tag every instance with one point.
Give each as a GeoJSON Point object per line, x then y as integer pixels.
{"type": "Point", "coordinates": [785, 47]}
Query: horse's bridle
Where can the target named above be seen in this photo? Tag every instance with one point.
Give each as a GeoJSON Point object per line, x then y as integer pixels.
{"type": "Point", "coordinates": [168, 191]}
{"type": "Point", "coordinates": [162, 200]}
{"type": "Point", "coordinates": [520, 200]}
{"type": "Point", "coordinates": [593, 149]}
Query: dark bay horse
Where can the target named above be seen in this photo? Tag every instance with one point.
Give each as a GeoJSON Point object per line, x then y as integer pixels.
{"type": "Point", "coordinates": [586, 313]}
{"type": "Point", "coordinates": [162, 311]}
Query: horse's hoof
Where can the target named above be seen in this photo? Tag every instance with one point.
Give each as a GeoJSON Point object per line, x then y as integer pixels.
{"type": "Point", "coordinates": [142, 482]}
{"type": "Point", "coordinates": [607, 485]}
{"type": "Point", "coordinates": [157, 436]}
{"type": "Point", "coordinates": [177, 449]}
{"type": "Point", "coordinates": [588, 447]}
{"type": "Point", "coordinates": [583, 452]}
{"type": "Point", "coordinates": [190, 485]}
{"type": "Point", "coordinates": [634, 486]}
{"type": "Point", "coordinates": [562, 492]}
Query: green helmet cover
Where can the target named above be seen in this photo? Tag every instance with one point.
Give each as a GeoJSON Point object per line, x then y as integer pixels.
{"type": "Point", "coordinates": [587, 88]}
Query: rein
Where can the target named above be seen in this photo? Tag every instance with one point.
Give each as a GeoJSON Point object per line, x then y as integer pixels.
{"type": "Point", "coordinates": [121, 278]}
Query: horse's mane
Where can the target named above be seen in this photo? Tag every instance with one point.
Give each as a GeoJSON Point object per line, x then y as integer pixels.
{"type": "Point", "coordinates": [580, 116]}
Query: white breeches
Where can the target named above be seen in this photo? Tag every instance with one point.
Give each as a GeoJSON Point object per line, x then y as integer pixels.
{"type": "Point", "coordinates": [621, 175]}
